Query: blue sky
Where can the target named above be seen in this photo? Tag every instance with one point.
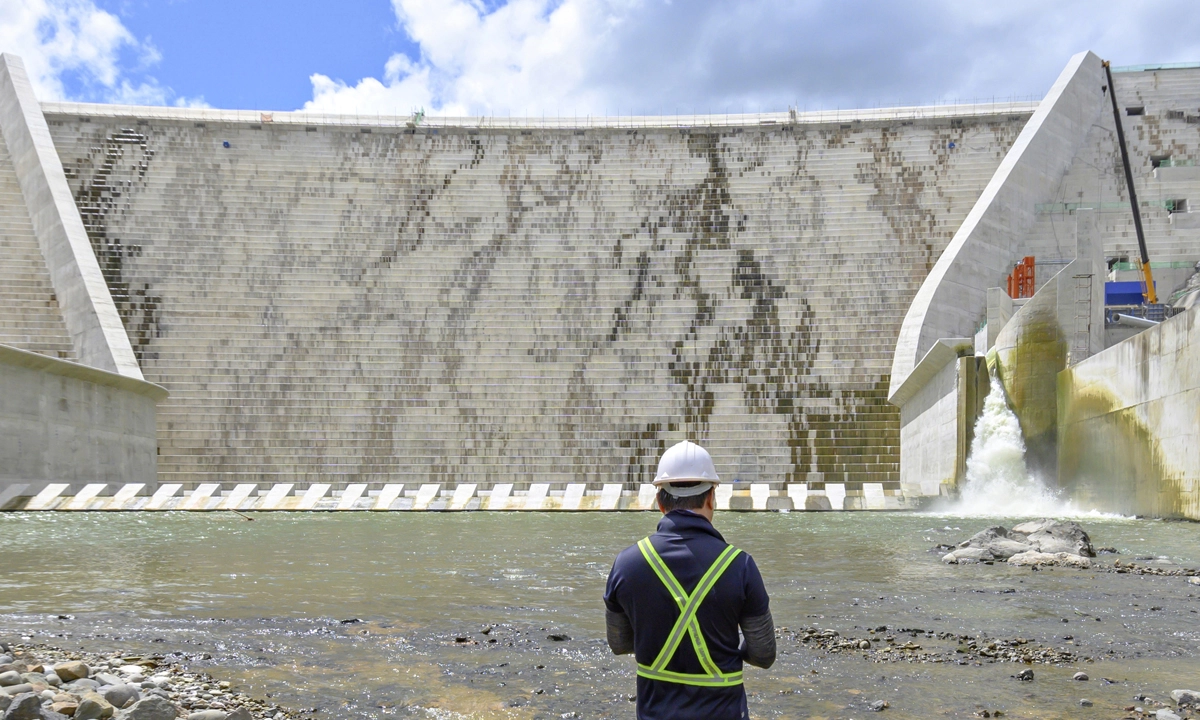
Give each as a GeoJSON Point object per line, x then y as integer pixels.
{"type": "Point", "coordinates": [518, 57]}
{"type": "Point", "coordinates": [259, 53]}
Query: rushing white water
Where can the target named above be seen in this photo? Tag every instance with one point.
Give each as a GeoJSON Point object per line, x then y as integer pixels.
{"type": "Point", "coordinates": [998, 484]}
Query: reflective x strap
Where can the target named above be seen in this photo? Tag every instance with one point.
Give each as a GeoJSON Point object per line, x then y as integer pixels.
{"type": "Point", "coordinates": [725, 679]}
{"type": "Point", "coordinates": [687, 622]}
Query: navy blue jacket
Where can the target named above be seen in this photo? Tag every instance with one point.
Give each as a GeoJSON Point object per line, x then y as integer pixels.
{"type": "Point", "coordinates": [689, 545]}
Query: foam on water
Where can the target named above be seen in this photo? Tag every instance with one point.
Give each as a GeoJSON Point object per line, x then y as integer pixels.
{"type": "Point", "coordinates": [998, 484]}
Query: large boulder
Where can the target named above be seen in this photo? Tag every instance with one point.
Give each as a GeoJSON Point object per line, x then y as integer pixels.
{"type": "Point", "coordinates": [1186, 697]}
{"type": "Point", "coordinates": [1042, 536]}
{"type": "Point", "coordinates": [994, 542]}
{"type": "Point", "coordinates": [1054, 536]}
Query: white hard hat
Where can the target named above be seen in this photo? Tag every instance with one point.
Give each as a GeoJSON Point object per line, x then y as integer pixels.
{"type": "Point", "coordinates": [686, 462]}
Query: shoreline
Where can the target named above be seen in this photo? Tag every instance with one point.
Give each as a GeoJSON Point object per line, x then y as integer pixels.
{"type": "Point", "coordinates": [77, 683]}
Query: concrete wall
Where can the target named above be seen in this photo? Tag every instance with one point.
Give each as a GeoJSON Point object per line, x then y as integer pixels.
{"type": "Point", "coordinates": [1129, 423]}
{"type": "Point", "coordinates": [343, 303]}
{"type": "Point", "coordinates": [931, 422]}
{"type": "Point", "coordinates": [87, 307]}
{"type": "Point", "coordinates": [996, 233]}
{"type": "Point", "coordinates": [61, 422]}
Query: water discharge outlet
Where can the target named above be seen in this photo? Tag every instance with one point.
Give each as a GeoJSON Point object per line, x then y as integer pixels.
{"type": "Point", "coordinates": [998, 482]}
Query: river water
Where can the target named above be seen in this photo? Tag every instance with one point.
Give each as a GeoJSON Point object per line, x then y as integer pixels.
{"type": "Point", "coordinates": [455, 610]}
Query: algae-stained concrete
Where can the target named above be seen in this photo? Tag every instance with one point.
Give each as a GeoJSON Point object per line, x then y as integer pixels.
{"type": "Point", "coordinates": [1059, 326]}
{"type": "Point", "coordinates": [1129, 424]}
{"type": "Point", "coordinates": [462, 305]}
{"type": "Point", "coordinates": [1031, 350]}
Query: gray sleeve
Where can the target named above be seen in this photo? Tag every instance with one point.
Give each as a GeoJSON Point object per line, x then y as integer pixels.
{"type": "Point", "coordinates": [758, 645]}
{"type": "Point", "coordinates": [620, 633]}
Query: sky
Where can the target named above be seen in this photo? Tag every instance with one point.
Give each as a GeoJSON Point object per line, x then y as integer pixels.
{"type": "Point", "coordinates": [576, 57]}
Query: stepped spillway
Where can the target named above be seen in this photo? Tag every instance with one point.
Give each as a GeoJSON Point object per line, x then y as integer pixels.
{"type": "Point", "coordinates": [331, 303]}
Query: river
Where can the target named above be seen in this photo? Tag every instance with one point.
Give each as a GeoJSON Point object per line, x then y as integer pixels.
{"type": "Point", "coordinates": [451, 614]}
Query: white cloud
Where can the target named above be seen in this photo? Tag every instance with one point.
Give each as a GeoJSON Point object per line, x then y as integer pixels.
{"type": "Point", "coordinates": [72, 50]}
{"type": "Point", "coordinates": [649, 56]}
{"type": "Point", "coordinates": [524, 57]}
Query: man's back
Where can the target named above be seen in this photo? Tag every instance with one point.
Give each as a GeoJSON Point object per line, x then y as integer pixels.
{"type": "Point", "coordinates": [688, 545]}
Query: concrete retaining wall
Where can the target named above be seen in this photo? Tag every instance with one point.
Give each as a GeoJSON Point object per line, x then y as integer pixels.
{"type": "Point", "coordinates": [937, 421]}
{"type": "Point", "coordinates": [1129, 423]}
{"type": "Point", "coordinates": [65, 423]}
{"type": "Point", "coordinates": [87, 307]}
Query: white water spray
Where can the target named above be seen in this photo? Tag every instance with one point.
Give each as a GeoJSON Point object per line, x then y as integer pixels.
{"type": "Point", "coordinates": [998, 484]}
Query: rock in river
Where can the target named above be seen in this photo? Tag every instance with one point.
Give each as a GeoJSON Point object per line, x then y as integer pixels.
{"type": "Point", "coordinates": [1053, 536]}
{"type": "Point", "coordinates": [1186, 697]}
{"type": "Point", "coordinates": [1042, 536]}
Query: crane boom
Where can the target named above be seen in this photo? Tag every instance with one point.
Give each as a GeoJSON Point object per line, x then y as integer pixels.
{"type": "Point", "coordinates": [1147, 275]}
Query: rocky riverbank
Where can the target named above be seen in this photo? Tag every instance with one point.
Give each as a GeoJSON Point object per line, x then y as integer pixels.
{"type": "Point", "coordinates": [39, 682]}
{"type": "Point", "coordinates": [913, 645]}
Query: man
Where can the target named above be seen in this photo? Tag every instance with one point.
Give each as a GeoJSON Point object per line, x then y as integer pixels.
{"type": "Point", "coordinates": [676, 600]}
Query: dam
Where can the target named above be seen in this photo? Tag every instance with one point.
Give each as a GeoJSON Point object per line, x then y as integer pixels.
{"type": "Point", "coordinates": [213, 309]}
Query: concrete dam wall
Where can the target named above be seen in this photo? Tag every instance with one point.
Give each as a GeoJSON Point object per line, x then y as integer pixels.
{"type": "Point", "coordinates": [334, 302]}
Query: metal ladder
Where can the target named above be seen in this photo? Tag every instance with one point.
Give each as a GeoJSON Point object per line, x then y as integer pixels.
{"type": "Point", "coordinates": [1081, 336]}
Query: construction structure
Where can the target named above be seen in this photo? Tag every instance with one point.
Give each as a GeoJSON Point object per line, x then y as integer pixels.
{"type": "Point", "coordinates": [1091, 206]}
{"type": "Point", "coordinates": [429, 313]}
